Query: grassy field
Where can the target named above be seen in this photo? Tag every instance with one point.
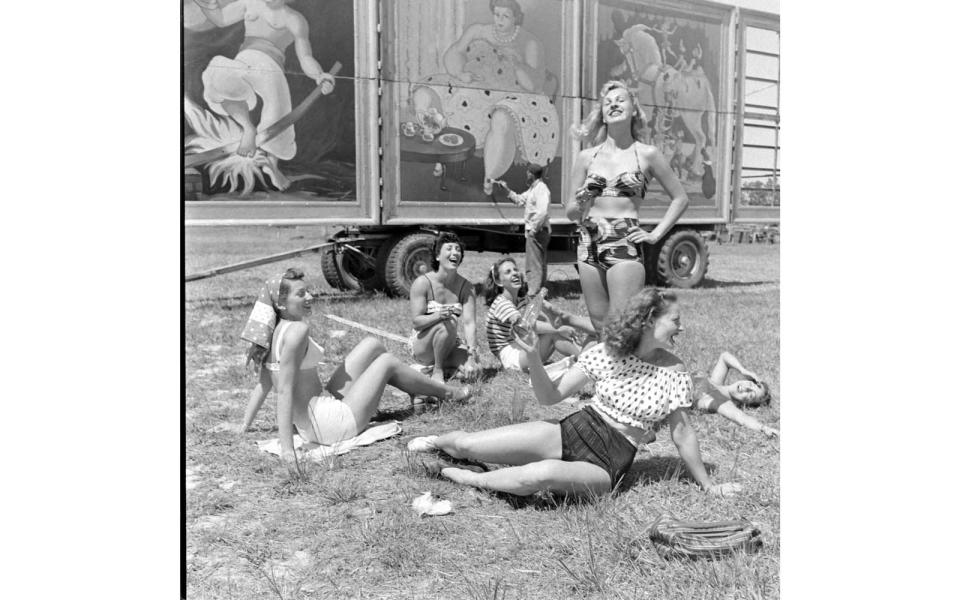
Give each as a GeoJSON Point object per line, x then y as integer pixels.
{"type": "Point", "coordinates": [348, 531]}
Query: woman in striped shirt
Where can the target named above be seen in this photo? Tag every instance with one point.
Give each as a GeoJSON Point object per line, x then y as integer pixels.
{"type": "Point", "coordinates": [505, 292]}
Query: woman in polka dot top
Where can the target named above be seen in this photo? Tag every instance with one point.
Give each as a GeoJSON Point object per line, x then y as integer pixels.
{"type": "Point", "coordinates": [639, 382]}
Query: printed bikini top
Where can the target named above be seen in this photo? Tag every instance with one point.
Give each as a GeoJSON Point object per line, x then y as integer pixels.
{"type": "Point", "coordinates": [627, 184]}
{"type": "Point", "coordinates": [311, 359]}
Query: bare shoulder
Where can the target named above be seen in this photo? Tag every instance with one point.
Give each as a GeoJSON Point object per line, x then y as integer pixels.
{"type": "Point", "coordinates": [420, 284]}
{"type": "Point", "coordinates": [647, 151]}
{"type": "Point", "coordinates": [465, 284]}
{"type": "Point", "coordinates": [585, 156]}
{"type": "Point", "coordinates": [295, 335]}
{"type": "Point", "coordinates": [294, 20]}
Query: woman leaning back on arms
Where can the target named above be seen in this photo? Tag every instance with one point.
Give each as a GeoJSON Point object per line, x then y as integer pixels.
{"type": "Point", "coordinates": [287, 358]}
{"type": "Point", "coordinates": [610, 179]}
{"type": "Point", "coordinates": [638, 383]}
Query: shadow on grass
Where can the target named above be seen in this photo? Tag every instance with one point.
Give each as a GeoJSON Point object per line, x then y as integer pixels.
{"type": "Point", "coordinates": [565, 288]}
{"type": "Point", "coordinates": [656, 469]}
{"type": "Point", "coordinates": [714, 284]}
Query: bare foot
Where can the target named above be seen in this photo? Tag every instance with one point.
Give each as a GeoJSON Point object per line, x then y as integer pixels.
{"type": "Point", "coordinates": [461, 476]}
{"type": "Point", "coordinates": [461, 394]}
{"type": "Point", "coordinates": [437, 374]}
{"type": "Point", "coordinates": [488, 187]}
{"type": "Point", "coordinates": [248, 142]}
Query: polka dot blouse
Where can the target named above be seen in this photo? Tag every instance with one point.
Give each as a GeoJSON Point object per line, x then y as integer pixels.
{"type": "Point", "coordinates": [631, 391]}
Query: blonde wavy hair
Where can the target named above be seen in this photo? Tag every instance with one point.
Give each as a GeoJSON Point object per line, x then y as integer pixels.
{"type": "Point", "coordinates": [623, 331]}
{"type": "Point", "coordinates": [594, 130]}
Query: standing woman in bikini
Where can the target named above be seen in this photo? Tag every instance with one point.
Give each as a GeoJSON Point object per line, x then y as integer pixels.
{"type": "Point", "coordinates": [287, 358]}
{"type": "Point", "coordinates": [437, 300]}
{"type": "Point", "coordinates": [610, 179]}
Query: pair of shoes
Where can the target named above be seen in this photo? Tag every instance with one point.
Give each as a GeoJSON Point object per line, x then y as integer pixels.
{"type": "Point", "coordinates": [434, 466]}
{"type": "Point", "coordinates": [426, 443]}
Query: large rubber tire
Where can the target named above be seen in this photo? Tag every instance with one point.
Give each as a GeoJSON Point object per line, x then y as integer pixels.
{"type": "Point", "coordinates": [683, 260]}
{"type": "Point", "coordinates": [408, 259]}
{"type": "Point", "coordinates": [348, 271]}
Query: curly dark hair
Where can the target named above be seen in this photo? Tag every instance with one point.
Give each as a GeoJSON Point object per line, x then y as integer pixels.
{"type": "Point", "coordinates": [623, 331]}
{"type": "Point", "coordinates": [491, 289]}
{"type": "Point", "coordinates": [445, 237]}
{"type": "Point", "coordinates": [257, 353]}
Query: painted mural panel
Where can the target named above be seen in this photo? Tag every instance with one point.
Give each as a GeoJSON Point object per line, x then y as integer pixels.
{"type": "Point", "coordinates": [268, 100]}
{"type": "Point", "coordinates": [478, 84]}
{"type": "Point", "coordinates": [672, 61]}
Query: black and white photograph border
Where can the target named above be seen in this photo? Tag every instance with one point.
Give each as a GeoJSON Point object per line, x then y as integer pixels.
{"type": "Point", "coordinates": [103, 491]}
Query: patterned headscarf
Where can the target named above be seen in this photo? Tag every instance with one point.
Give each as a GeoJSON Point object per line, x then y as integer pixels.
{"type": "Point", "coordinates": [263, 317]}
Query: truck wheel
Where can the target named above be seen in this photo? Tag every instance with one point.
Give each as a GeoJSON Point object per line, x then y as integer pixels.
{"type": "Point", "coordinates": [683, 259]}
{"type": "Point", "coordinates": [355, 268]}
{"type": "Point", "coordinates": [408, 259]}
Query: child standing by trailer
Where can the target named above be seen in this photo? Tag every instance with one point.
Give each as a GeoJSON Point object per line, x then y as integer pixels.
{"type": "Point", "coordinates": [505, 293]}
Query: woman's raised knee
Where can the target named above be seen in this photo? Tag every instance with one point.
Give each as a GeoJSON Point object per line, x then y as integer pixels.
{"type": "Point", "coordinates": [372, 345]}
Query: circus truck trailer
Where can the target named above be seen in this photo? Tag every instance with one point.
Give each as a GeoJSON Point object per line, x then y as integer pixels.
{"type": "Point", "coordinates": [387, 119]}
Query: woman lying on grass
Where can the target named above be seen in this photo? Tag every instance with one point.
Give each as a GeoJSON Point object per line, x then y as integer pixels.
{"type": "Point", "coordinates": [286, 357]}
{"type": "Point", "coordinates": [714, 396]}
{"type": "Point", "coordinates": [505, 292]}
{"type": "Point", "coordinates": [638, 381]}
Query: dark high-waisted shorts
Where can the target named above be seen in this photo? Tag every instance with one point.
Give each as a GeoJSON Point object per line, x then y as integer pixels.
{"type": "Point", "coordinates": [604, 243]}
{"type": "Point", "coordinates": [585, 436]}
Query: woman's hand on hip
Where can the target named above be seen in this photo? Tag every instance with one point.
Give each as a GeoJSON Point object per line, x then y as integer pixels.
{"type": "Point", "coordinates": [637, 235]}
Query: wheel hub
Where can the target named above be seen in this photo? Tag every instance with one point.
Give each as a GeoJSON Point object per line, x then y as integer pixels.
{"type": "Point", "coordinates": [684, 259]}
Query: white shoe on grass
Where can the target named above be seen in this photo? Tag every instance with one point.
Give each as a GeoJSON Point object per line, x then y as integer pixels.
{"type": "Point", "coordinates": [425, 443]}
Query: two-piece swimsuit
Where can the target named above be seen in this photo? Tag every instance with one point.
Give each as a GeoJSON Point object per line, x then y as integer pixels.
{"type": "Point", "coordinates": [603, 240]}
{"type": "Point", "coordinates": [331, 419]}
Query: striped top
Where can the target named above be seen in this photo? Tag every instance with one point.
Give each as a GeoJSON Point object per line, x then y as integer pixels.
{"type": "Point", "coordinates": [502, 315]}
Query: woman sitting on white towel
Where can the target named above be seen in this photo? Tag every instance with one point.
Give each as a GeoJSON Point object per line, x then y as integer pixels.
{"type": "Point", "coordinates": [287, 358]}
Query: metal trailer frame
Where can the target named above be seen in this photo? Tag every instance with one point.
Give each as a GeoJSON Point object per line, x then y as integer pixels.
{"type": "Point", "coordinates": [380, 217]}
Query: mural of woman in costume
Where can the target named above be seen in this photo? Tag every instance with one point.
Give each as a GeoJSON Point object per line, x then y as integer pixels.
{"type": "Point", "coordinates": [495, 86]}
{"type": "Point", "coordinates": [232, 85]}
{"type": "Point", "coordinates": [238, 81]}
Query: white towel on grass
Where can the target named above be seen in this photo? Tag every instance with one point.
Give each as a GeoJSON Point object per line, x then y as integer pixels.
{"type": "Point", "coordinates": [319, 452]}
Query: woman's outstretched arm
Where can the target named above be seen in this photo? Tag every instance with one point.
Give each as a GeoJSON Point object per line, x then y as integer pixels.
{"type": "Point", "coordinates": [685, 438]}
{"type": "Point", "coordinates": [729, 410]}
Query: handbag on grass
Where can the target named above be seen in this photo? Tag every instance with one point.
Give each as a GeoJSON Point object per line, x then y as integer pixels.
{"type": "Point", "coordinates": [673, 538]}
